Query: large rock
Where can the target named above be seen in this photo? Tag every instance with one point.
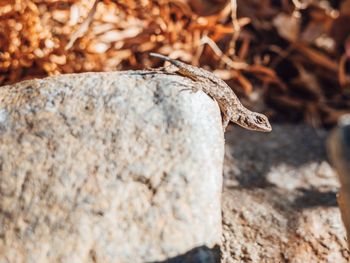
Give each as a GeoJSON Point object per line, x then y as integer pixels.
{"type": "Point", "coordinates": [109, 167]}
{"type": "Point", "coordinates": [279, 201]}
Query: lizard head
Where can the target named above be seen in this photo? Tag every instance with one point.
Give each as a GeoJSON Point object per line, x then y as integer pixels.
{"type": "Point", "coordinates": [254, 121]}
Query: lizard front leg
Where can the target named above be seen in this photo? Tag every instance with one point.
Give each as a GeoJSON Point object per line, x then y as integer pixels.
{"type": "Point", "coordinates": [227, 113]}
{"type": "Point", "coordinates": [225, 121]}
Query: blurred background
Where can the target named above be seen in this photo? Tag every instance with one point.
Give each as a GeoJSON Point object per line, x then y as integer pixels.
{"type": "Point", "coordinates": [287, 58]}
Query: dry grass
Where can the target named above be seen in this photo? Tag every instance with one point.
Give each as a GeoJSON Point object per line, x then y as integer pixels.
{"type": "Point", "coordinates": [290, 55]}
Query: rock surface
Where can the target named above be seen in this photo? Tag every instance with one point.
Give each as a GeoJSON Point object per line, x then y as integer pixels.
{"type": "Point", "coordinates": [109, 167]}
{"type": "Point", "coordinates": [279, 200]}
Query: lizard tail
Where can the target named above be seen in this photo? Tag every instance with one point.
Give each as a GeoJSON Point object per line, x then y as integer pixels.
{"type": "Point", "coordinates": [156, 55]}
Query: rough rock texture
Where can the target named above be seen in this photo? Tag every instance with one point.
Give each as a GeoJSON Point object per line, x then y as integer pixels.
{"type": "Point", "coordinates": [338, 145]}
{"type": "Point", "coordinates": [109, 167]}
{"type": "Point", "coordinates": [279, 201]}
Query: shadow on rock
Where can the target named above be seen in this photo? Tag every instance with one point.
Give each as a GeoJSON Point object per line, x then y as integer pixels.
{"type": "Point", "coordinates": [313, 197]}
{"type": "Point", "coordinates": [250, 155]}
{"type": "Point", "coordinates": [201, 254]}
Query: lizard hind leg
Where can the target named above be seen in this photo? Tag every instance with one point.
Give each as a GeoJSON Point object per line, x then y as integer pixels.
{"type": "Point", "coordinates": [192, 89]}
{"type": "Point", "coordinates": [187, 74]}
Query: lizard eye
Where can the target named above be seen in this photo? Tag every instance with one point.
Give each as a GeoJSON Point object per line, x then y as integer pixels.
{"type": "Point", "coordinates": [259, 119]}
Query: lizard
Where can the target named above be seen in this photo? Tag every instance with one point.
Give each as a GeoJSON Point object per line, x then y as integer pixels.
{"type": "Point", "coordinates": [232, 109]}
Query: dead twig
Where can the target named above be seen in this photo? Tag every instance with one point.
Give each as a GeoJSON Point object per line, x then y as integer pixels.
{"type": "Point", "coordinates": [84, 26]}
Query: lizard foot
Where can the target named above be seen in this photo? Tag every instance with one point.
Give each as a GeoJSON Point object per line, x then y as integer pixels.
{"type": "Point", "coordinates": [225, 121]}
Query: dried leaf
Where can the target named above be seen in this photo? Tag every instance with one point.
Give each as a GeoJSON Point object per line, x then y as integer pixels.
{"type": "Point", "coordinates": [288, 26]}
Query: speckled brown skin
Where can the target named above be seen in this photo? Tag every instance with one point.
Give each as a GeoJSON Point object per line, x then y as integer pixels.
{"type": "Point", "coordinates": [230, 106]}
